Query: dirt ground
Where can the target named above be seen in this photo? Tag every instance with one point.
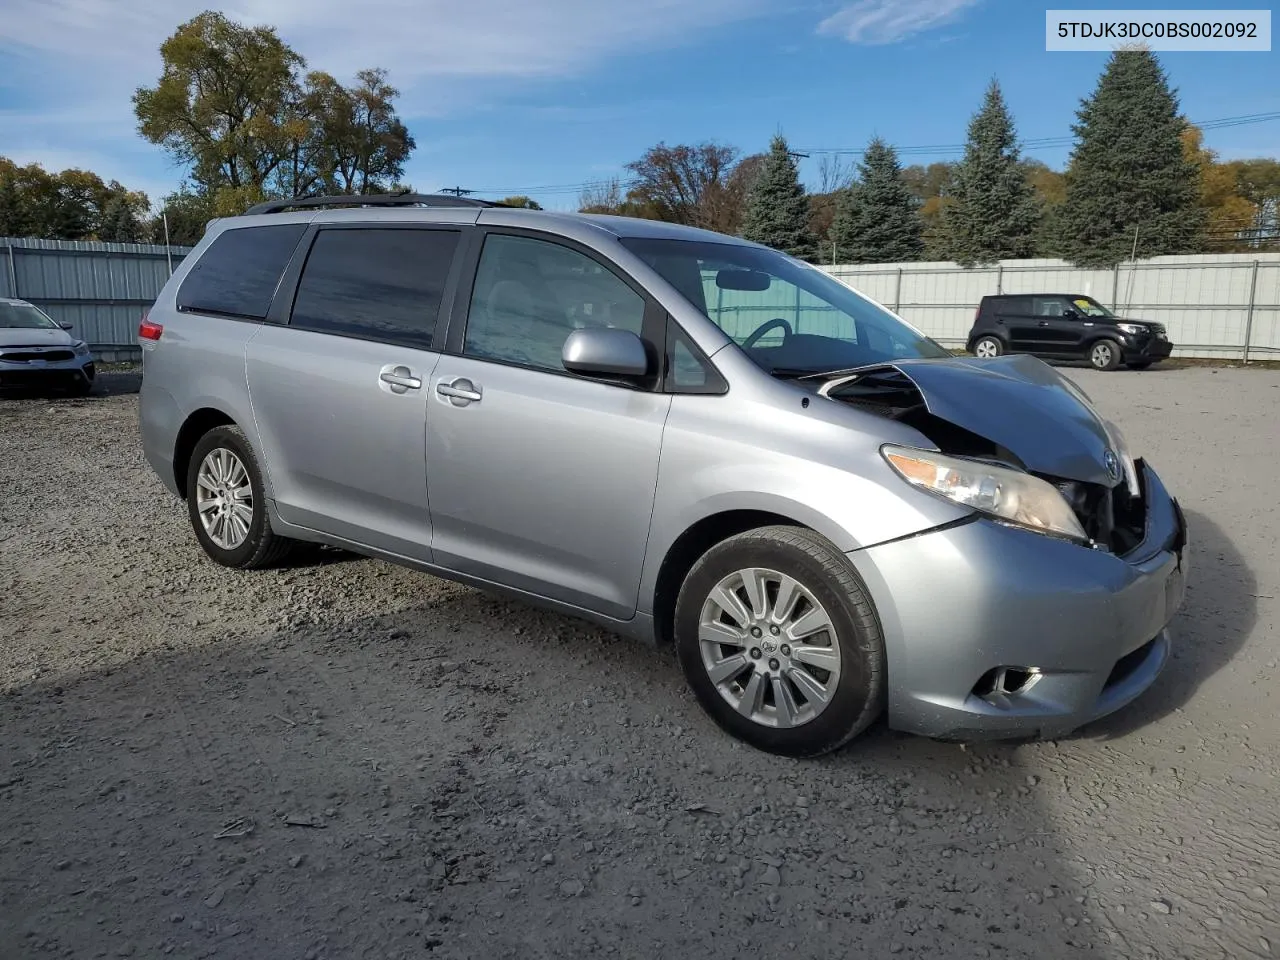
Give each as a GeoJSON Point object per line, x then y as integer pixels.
{"type": "Point", "coordinates": [349, 759]}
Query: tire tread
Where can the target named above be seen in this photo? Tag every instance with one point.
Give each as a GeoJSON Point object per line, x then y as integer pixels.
{"type": "Point", "coordinates": [844, 579]}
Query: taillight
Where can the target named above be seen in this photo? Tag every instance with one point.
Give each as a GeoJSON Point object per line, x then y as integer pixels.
{"type": "Point", "coordinates": [148, 330]}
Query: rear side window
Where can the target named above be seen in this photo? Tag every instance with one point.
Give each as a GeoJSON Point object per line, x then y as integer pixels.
{"type": "Point", "coordinates": [238, 274]}
{"type": "Point", "coordinates": [1012, 306]}
{"type": "Point", "coordinates": [376, 284]}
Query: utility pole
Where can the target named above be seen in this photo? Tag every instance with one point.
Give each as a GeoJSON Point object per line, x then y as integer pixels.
{"type": "Point", "coordinates": [457, 191]}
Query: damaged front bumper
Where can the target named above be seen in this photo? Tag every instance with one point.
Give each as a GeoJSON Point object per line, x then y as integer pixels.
{"type": "Point", "coordinates": [997, 632]}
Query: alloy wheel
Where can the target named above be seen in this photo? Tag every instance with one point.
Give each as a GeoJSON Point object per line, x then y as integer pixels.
{"type": "Point", "coordinates": [1101, 355]}
{"type": "Point", "coordinates": [769, 647]}
{"type": "Point", "coordinates": [986, 349]}
{"type": "Point", "coordinates": [224, 498]}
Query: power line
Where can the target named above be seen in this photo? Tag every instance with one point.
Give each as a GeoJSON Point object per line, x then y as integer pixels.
{"type": "Point", "coordinates": [1047, 142]}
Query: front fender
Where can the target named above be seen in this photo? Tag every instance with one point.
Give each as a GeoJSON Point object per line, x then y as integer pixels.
{"type": "Point", "coordinates": [821, 474]}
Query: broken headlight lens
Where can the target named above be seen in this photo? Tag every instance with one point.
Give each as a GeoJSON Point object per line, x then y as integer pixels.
{"type": "Point", "coordinates": [1009, 495]}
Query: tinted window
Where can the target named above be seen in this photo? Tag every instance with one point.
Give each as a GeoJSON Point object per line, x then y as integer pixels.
{"type": "Point", "coordinates": [239, 272]}
{"type": "Point", "coordinates": [530, 295]}
{"type": "Point", "coordinates": [376, 284]}
{"type": "Point", "coordinates": [1013, 305]}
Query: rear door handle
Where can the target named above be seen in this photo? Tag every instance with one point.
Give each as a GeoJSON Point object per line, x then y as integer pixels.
{"type": "Point", "coordinates": [1044, 323]}
{"type": "Point", "coordinates": [400, 378]}
{"type": "Point", "coordinates": [459, 392]}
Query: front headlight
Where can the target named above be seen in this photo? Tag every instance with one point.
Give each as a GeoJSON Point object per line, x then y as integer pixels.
{"type": "Point", "coordinates": [1132, 327]}
{"type": "Point", "coordinates": [1009, 495]}
{"type": "Point", "coordinates": [81, 348]}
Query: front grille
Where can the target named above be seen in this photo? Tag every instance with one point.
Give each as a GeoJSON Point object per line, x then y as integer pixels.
{"type": "Point", "coordinates": [36, 378]}
{"type": "Point", "coordinates": [1108, 514]}
{"type": "Point", "coordinates": [26, 356]}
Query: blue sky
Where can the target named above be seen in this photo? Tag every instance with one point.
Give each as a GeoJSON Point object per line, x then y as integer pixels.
{"type": "Point", "coordinates": [541, 96]}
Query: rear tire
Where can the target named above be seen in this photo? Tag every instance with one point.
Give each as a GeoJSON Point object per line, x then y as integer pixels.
{"type": "Point", "coordinates": [799, 669]}
{"type": "Point", "coordinates": [988, 347]}
{"type": "Point", "coordinates": [227, 505]}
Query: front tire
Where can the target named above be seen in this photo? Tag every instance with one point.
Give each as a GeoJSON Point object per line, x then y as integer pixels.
{"type": "Point", "coordinates": [988, 348]}
{"type": "Point", "coordinates": [227, 505]}
{"type": "Point", "coordinates": [778, 639]}
{"type": "Point", "coordinates": [1104, 355]}
{"type": "Point", "coordinates": [82, 386]}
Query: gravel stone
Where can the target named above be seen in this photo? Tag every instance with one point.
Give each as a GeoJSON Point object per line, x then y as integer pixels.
{"type": "Point", "coordinates": [452, 739]}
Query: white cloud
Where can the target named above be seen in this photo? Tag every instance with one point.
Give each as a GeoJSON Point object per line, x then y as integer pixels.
{"type": "Point", "coordinates": [412, 38]}
{"type": "Point", "coordinates": [76, 63]}
{"type": "Point", "coordinates": [876, 22]}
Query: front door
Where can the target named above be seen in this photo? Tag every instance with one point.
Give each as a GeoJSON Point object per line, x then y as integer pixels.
{"type": "Point", "coordinates": [539, 479]}
{"type": "Point", "coordinates": [340, 393]}
{"type": "Point", "coordinates": [1058, 328]}
{"type": "Point", "coordinates": [1021, 323]}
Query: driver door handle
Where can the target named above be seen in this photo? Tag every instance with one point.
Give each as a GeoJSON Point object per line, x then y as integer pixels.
{"type": "Point", "coordinates": [459, 391]}
{"type": "Point", "coordinates": [400, 378]}
{"type": "Point", "coordinates": [1044, 323]}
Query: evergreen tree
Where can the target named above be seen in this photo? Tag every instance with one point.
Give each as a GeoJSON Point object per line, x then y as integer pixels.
{"type": "Point", "coordinates": [1128, 171]}
{"type": "Point", "coordinates": [120, 223]}
{"type": "Point", "coordinates": [777, 207]}
{"type": "Point", "coordinates": [994, 213]}
{"type": "Point", "coordinates": [878, 218]}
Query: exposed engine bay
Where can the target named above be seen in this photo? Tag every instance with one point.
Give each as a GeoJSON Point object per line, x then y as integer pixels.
{"type": "Point", "coordinates": [1000, 411]}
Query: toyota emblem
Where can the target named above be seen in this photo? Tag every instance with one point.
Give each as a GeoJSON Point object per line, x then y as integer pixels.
{"type": "Point", "coordinates": [1112, 463]}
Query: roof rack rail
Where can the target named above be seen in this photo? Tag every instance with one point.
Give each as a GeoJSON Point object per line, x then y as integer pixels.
{"type": "Point", "coordinates": [371, 200]}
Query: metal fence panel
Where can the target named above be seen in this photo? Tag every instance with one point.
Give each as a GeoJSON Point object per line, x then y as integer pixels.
{"type": "Point", "coordinates": [100, 288]}
{"type": "Point", "coordinates": [1212, 304]}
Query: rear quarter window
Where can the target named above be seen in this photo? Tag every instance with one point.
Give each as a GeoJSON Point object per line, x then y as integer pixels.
{"type": "Point", "coordinates": [238, 275]}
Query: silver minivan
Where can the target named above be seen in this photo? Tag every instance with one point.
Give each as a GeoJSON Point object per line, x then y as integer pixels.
{"type": "Point", "coordinates": [679, 435]}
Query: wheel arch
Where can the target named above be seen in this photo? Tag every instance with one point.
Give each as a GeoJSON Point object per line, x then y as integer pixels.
{"type": "Point", "coordinates": [196, 425]}
{"type": "Point", "coordinates": [687, 548]}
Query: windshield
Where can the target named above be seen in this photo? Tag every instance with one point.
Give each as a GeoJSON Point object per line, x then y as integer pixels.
{"type": "Point", "coordinates": [790, 318]}
{"type": "Point", "coordinates": [24, 316]}
{"type": "Point", "coordinates": [1091, 307]}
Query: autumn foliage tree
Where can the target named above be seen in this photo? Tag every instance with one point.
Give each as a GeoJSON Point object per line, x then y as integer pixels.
{"type": "Point", "coordinates": [233, 106]}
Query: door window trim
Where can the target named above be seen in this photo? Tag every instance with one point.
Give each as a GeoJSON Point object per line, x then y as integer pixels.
{"type": "Point", "coordinates": [287, 293]}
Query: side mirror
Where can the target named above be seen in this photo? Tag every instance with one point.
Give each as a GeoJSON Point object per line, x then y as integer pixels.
{"type": "Point", "coordinates": [66, 326]}
{"type": "Point", "coordinates": [603, 351]}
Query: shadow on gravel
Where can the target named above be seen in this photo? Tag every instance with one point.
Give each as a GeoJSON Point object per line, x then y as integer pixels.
{"type": "Point", "coordinates": [1220, 610]}
{"type": "Point", "coordinates": [108, 383]}
{"type": "Point", "coordinates": [475, 779]}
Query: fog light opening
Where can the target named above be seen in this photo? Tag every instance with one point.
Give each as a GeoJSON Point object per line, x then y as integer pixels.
{"type": "Point", "coordinates": [1006, 682]}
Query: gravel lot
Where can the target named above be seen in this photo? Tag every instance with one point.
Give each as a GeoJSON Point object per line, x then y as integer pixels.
{"type": "Point", "coordinates": [353, 760]}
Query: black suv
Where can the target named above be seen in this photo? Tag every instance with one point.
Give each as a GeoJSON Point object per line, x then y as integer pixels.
{"type": "Point", "coordinates": [1065, 326]}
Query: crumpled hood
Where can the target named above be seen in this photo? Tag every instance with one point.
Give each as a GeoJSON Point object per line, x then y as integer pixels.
{"type": "Point", "coordinates": [28, 337]}
{"type": "Point", "coordinates": [1022, 404]}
